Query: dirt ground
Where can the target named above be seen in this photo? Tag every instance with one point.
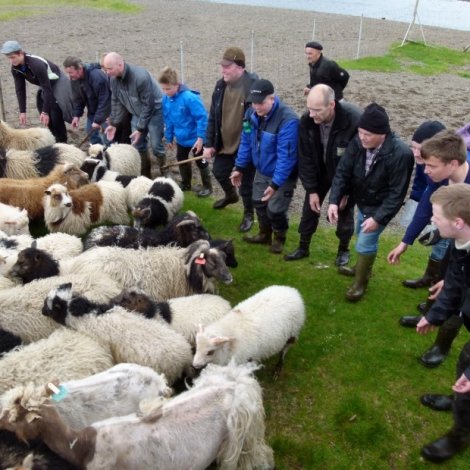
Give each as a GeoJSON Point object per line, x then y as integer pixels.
{"type": "Point", "coordinates": [272, 38]}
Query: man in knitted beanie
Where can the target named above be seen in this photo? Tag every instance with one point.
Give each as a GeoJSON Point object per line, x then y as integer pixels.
{"type": "Point", "coordinates": [375, 170]}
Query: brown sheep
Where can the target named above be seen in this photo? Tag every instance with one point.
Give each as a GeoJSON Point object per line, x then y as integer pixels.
{"type": "Point", "coordinates": [24, 139]}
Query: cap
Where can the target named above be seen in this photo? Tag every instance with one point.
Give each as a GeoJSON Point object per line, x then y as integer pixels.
{"type": "Point", "coordinates": [427, 130]}
{"type": "Point", "coordinates": [374, 119]}
{"type": "Point", "coordinates": [314, 45]}
{"type": "Point", "coordinates": [233, 55]}
{"type": "Point", "coordinates": [11, 46]}
{"type": "Point", "coordinates": [259, 90]}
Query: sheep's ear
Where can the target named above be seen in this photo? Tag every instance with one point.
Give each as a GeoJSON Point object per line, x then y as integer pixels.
{"type": "Point", "coordinates": [34, 244]}
{"type": "Point", "coordinates": [31, 416]}
{"type": "Point", "coordinates": [47, 192]}
{"type": "Point", "coordinates": [222, 339]}
{"type": "Point", "coordinates": [24, 212]}
{"type": "Point", "coordinates": [66, 285]}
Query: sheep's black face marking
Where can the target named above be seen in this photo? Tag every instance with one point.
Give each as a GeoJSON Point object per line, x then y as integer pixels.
{"type": "Point", "coordinates": [34, 264]}
{"type": "Point", "coordinates": [215, 266]}
{"type": "Point", "coordinates": [4, 243]}
{"type": "Point", "coordinates": [55, 308]}
{"type": "Point", "coordinates": [164, 310]}
{"type": "Point", "coordinates": [164, 190]}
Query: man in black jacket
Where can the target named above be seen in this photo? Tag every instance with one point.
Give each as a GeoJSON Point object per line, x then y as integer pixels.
{"type": "Point", "coordinates": [224, 128]}
{"type": "Point", "coordinates": [451, 215]}
{"type": "Point", "coordinates": [90, 87]}
{"type": "Point", "coordinates": [375, 171]}
{"type": "Point", "coordinates": [324, 133]}
{"type": "Point", "coordinates": [323, 70]}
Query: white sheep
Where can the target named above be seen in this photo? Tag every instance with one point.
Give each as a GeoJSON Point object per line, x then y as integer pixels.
{"type": "Point", "coordinates": [76, 210]}
{"type": "Point", "coordinates": [265, 324]}
{"type": "Point", "coordinates": [220, 419]}
{"type": "Point", "coordinates": [13, 220]}
{"type": "Point", "coordinates": [183, 314]}
{"type": "Point", "coordinates": [162, 202]}
{"type": "Point", "coordinates": [131, 338]}
{"type": "Point", "coordinates": [136, 190]}
{"type": "Point", "coordinates": [24, 164]}
{"type": "Point", "coordinates": [24, 139]}
{"type": "Point", "coordinates": [64, 353]}
{"type": "Point", "coordinates": [122, 158]}
{"type": "Point", "coordinates": [20, 306]}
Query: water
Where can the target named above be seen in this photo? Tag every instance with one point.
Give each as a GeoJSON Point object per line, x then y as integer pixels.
{"type": "Point", "coordinates": [453, 14]}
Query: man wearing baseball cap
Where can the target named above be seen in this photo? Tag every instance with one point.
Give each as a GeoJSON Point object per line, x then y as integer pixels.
{"type": "Point", "coordinates": [375, 170]}
{"type": "Point", "coordinates": [54, 98]}
{"type": "Point", "coordinates": [269, 142]}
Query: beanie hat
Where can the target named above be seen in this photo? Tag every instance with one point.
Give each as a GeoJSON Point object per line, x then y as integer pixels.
{"type": "Point", "coordinates": [233, 55]}
{"type": "Point", "coordinates": [314, 45]}
{"type": "Point", "coordinates": [9, 47]}
{"type": "Point", "coordinates": [427, 130]}
{"type": "Point", "coordinates": [374, 119]}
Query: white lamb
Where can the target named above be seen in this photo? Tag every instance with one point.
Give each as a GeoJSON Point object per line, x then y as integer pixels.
{"type": "Point", "coordinates": [20, 306]}
{"type": "Point", "coordinates": [123, 158]}
{"type": "Point", "coordinates": [257, 328]}
{"type": "Point", "coordinates": [65, 353]}
{"type": "Point", "coordinates": [24, 139]}
{"type": "Point", "coordinates": [13, 220]}
{"type": "Point", "coordinates": [131, 338]}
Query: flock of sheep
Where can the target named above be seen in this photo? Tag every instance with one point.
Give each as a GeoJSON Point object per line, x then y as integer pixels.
{"type": "Point", "coordinates": [95, 333]}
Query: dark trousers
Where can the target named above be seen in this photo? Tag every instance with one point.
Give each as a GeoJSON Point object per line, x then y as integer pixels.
{"type": "Point", "coordinates": [461, 406]}
{"type": "Point", "coordinates": [309, 221]}
{"type": "Point", "coordinates": [222, 168]}
{"type": "Point", "coordinates": [56, 119]}
{"type": "Point", "coordinates": [183, 153]}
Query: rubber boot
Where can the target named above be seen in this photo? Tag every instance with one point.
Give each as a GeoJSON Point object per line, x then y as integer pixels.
{"type": "Point", "coordinates": [342, 257]}
{"type": "Point", "coordinates": [231, 197]}
{"type": "Point", "coordinates": [145, 164]}
{"type": "Point", "coordinates": [446, 334]}
{"type": "Point", "coordinates": [247, 221]}
{"type": "Point", "coordinates": [264, 236]}
{"type": "Point", "coordinates": [444, 448]}
{"type": "Point", "coordinates": [430, 276]}
{"type": "Point", "coordinates": [186, 176]}
{"type": "Point", "coordinates": [161, 160]}
{"type": "Point", "coordinates": [206, 189]}
{"type": "Point", "coordinates": [410, 321]}
{"type": "Point", "coordinates": [279, 240]}
{"type": "Point", "coordinates": [302, 251]}
{"type": "Point", "coordinates": [363, 270]}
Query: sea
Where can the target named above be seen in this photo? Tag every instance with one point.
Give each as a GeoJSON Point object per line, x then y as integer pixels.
{"type": "Point", "coordinates": [452, 14]}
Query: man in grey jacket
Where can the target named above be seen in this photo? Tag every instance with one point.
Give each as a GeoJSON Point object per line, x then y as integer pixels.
{"type": "Point", "coordinates": [135, 91]}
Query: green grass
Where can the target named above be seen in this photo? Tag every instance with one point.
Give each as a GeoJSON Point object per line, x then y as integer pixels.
{"type": "Point", "coordinates": [416, 58]}
{"type": "Point", "coordinates": [348, 396]}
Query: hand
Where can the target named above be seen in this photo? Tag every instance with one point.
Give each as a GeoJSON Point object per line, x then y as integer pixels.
{"type": "Point", "coordinates": [95, 125]}
{"type": "Point", "coordinates": [436, 289]}
{"type": "Point", "coordinates": [268, 194]}
{"type": "Point", "coordinates": [236, 178]}
{"type": "Point", "coordinates": [135, 137]}
{"type": "Point", "coordinates": [333, 213]}
{"type": "Point", "coordinates": [462, 385]}
{"type": "Point", "coordinates": [23, 121]}
{"type": "Point", "coordinates": [314, 201]}
{"type": "Point", "coordinates": [208, 153]}
{"type": "Point", "coordinates": [197, 146]}
{"type": "Point", "coordinates": [306, 91]}
{"type": "Point", "coordinates": [170, 146]}
{"type": "Point", "coordinates": [424, 327]}
{"type": "Point", "coordinates": [110, 132]}
{"type": "Point", "coordinates": [394, 256]}
{"type": "Point", "coordinates": [343, 202]}
{"type": "Point", "coordinates": [75, 122]}
{"type": "Point", "coordinates": [369, 225]}
{"type": "Point", "coordinates": [44, 118]}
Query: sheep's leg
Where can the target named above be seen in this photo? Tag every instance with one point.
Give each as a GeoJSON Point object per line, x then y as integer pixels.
{"type": "Point", "coordinates": [282, 355]}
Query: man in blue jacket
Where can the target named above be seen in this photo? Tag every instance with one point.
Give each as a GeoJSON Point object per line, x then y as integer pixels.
{"type": "Point", "coordinates": [269, 142]}
{"type": "Point", "coordinates": [90, 88]}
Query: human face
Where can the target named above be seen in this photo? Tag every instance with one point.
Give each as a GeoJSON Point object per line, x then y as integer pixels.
{"type": "Point", "coordinates": [73, 73]}
{"type": "Point", "coordinates": [112, 68]}
{"type": "Point", "coordinates": [370, 140]}
{"type": "Point", "coordinates": [312, 54]}
{"type": "Point", "coordinates": [231, 73]}
{"type": "Point", "coordinates": [416, 149]}
{"type": "Point", "coordinates": [169, 90]}
{"type": "Point", "coordinates": [437, 170]}
{"type": "Point", "coordinates": [318, 111]}
{"type": "Point", "coordinates": [263, 109]}
{"type": "Point", "coordinates": [16, 58]}
{"type": "Point", "coordinates": [447, 228]}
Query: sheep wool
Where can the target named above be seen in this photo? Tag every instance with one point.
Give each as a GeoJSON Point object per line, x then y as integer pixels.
{"type": "Point", "coordinates": [122, 158]}
{"type": "Point", "coordinates": [13, 220]}
{"type": "Point", "coordinates": [24, 139]}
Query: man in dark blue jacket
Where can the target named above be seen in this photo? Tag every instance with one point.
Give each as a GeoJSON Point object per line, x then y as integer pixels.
{"type": "Point", "coordinates": [269, 142]}
{"type": "Point", "coordinates": [451, 215]}
{"type": "Point", "coordinates": [90, 87]}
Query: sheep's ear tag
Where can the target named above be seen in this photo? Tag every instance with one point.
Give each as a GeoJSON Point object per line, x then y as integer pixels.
{"type": "Point", "coordinates": [60, 392]}
{"type": "Point", "coordinates": [200, 259]}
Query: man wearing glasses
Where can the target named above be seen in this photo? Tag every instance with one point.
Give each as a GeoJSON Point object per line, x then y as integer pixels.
{"type": "Point", "coordinates": [324, 133]}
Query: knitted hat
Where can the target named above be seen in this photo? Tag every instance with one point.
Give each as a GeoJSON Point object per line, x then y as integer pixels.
{"type": "Point", "coordinates": [427, 130]}
{"type": "Point", "coordinates": [233, 55]}
{"type": "Point", "coordinates": [314, 45]}
{"type": "Point", "coordinates": [374, 119]}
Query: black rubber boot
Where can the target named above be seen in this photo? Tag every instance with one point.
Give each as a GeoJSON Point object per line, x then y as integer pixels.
{"type": "Point", "coordinates": [186, 176]}
{"type": "Point", "coordinates": [430, 276]}
{"type": "Point", "coordinates": [410, 321]}
{"type": "Point", "coordinates": [231, 197]}
{"type": "Point", "coordinates": [363, 270]}
{"type": "Point", "coordinates": [279, 240]}
{"type": "Point", "coordinates": [436, 354]}
{"type": "Point", "coordinates": [264, 236]}
{"type": "Point", "coordinates": [145, 164]}
{"type": "Point", "coordinates": [247, 222]}
{"type": "Point", "coordinates": [455, 441]}
{"type": "Point", "coordinates": [302, 251]}
{"type": "Point", "coordinates": [206, 189]}
{"type": "Point", "coordinates": [438, 402]}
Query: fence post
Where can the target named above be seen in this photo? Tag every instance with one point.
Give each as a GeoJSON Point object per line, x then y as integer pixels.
{"type": "Point", "coordinates": [181, 62]}
{"type": "Point", "coordinates": [252, 53]}
{"type": "Point", "coordinates": [313, 30]}
{"type": "Point", "coordinates": [2, 103]}
{"type": "Point", "coordinates": [360, 38]}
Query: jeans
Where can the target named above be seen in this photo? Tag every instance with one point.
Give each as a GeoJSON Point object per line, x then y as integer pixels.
{"type": "Point", "coordinates": [367, 243]}
{"type": "Point", "coordinates": [439, 249]}
{"type": "Point", "coordinates": [98, 137]}
{"type": "Point", "coordinates": [154, 133]}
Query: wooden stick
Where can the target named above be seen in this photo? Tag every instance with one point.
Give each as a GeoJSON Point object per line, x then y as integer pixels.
{"type": "Point", "coordinates": [93, 129]}
{"type": "Point", "coordinates": [182, 162]}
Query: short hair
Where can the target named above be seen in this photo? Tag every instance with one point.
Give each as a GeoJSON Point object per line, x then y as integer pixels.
{"type": "Point", "coordinates": [74, 62]}
{"type": "Point", "coordinates": [454, 200]}
{"type": "Point", "coordinates": [445, 146]}
{"type": "Point", "coordinates": [168, 76]}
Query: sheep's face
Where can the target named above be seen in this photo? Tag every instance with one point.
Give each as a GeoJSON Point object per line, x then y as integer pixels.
{"type": "Point", "coordinates": [212, 349]}
{"type": "Point", "coordinates": [214, 265]}
{"type": "Point", "coordinates": [141, 216]}
{"type": "Point", "coordinates": [32, 263]}
{"type": "Point", "coordinates": [74, 177]}
{"type": "Point", "coordinates": [57, 202]}
{"type": "Point", "coordinates": [96, 151]}
{"type": "Point", "coordinates": [56, 303]}
{"type": "Point", "coordinates": [89, 166]}
{"type": "Point", "coordinates": [134, 300]}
